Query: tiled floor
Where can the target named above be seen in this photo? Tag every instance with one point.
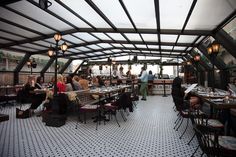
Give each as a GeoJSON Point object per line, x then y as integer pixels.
{"type": "Point", "coordinates": [148, 132]}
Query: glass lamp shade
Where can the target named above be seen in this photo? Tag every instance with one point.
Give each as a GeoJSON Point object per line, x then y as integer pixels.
{"type": "Point", "coordinates": [209, 50]}
{"type": "Point", "coordinates": [215, 47]}
{"type": "Point", "coordinates": [64, 47]}
{"type": "Point", "coordinates": [188, 63]}
{"type": "Point", "coordinates": [50, 51]}
{"type": "Point", "coordinates": [57, 37]}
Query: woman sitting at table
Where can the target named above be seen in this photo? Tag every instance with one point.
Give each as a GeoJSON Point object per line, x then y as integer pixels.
{"type": "Point", "coordinates": [29, 91]}
{"type": "Point", "coordinates": [37, 98]}
{"type": "Point", "coordinates": [177, 92]}
{"type": "Point", "coordinates": [69, 84]}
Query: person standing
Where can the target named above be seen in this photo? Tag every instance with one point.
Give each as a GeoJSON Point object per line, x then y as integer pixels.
{"type": "Point", "coordinates": [144, 81]}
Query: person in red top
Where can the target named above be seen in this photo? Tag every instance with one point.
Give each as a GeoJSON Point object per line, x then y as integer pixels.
{"type": "Point", "coordinates": [61, 86]}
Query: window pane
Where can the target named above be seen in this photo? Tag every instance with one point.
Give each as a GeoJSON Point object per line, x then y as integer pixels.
{"type": "Point", "coordinates": [230, 28]}
{"type": "Point", "coordinates": [9, 60]}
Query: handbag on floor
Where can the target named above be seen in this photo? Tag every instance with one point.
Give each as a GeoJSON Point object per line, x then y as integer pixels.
{"type": "Point", "coordinates": [21, 114]}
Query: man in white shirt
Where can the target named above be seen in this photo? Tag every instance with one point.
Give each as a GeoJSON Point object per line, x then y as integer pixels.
{"type": "Point", "coordinates": [144, 83]}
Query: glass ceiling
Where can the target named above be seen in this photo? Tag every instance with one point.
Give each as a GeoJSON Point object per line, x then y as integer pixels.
{"type": "Point", "coordinates": [91, 27]}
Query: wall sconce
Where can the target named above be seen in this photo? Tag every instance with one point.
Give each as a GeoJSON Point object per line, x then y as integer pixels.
{"type": "Point", "coordinates": [31, 63]}
{"type": "Point", "coordinates": [213, 50]}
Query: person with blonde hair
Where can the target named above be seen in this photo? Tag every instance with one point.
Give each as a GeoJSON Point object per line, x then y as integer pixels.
{"type": "Point", "coordinates": [61, 86]}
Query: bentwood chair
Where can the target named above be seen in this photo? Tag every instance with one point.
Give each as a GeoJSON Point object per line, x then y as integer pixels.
{"type": "Point", "coordinates": [182, 107]}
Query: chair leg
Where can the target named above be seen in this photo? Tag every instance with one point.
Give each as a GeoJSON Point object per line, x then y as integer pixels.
{"type": "Point", "coordinates": [192, 138]}
{"type": "Point", "coordinates": [184, 130]}
{"type": "Point", "coordinates": [180, 124]}
{"type": "Point", "coordinates": [179, 120]}
{"type": "Point", "coordinates": [116, 119]}
{"type": "Point", "coordinates": [195, 151]}
{"type": "Point", "coordinates": [122, 115]}
{"type": "Point", "coordinates": [84, 117]}
{"type": "Point", "coordinates": [202, 154]}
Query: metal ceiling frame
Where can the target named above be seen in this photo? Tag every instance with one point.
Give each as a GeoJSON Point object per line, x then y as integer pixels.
{"type": "Point", "coordinates": [217, 33]}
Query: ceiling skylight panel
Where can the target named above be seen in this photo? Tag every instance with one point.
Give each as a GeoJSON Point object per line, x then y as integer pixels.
{"type": "Point", "coordinates": [104, 45]}
{"type": "Point", "coordinates": [62, 12]}
{"type": "Point", "coordinates": [114, 12]}
{"type": "Point", "coordinates": [85, 36]}
{"type": "Point", "coordinates": [140, 46]}
{"type": "Point", "coordinates": [3, 41]}
{"type": "Point", "coordinates": [94, 47]}
{"type": "Point", "coordinates": [101, 36]}
{"type": "Point", "coordinates": [117, 45]}
{"type": "Point", "coordinates": [116, 50]}
{"type": "Point", "coordinates": [16, 30]}
{"type": "Point", "coordinates": [24, 48]}
{"type": "Point", "coordinates": [128, 45]}
{"type": "Point", "coordinates": [167, 47]}
{"type": "Point", "coordinates": [200, 39]}
{"type": "Point", "coordinates": [98, 53]}
{"type": "Point", "coordinates": [72, 39]}
{"type": "Point", "coordinates": [208, 14]}
{"type": "Point", "coordinates": [142, 12]}
{"type": "Point", "coordinates": [179, 48]}
{"type": "Point", "coordinates": [10, 36]}
{"type": "Point", "coordinates": [116, 36]}
{"type": "Point", "coordinates": [39, 14]}
{"type": "Point", "coordinates": [186, 38]}
{"type": "Point", "coordinates": [83, 48]}
{"type": "Point", "coordinates": [8, 15]}
{"type": "Point", "coordinates": [173, 13]}
{"type": "Point", "coordinates": [33, 46]}
{"type": "Point", "coordinates": [153, 46]}
{"type": "Point", "coordinates": [133, 36]}
{"type": "Point", "coordinates": [168, 38]}
{"type": "Point", "coordinates": [87, 12]}
{"type": "Point", "coordinates": [150, 37]}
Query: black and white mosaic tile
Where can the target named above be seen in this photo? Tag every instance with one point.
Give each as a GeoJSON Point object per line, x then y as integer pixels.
{"type": "Point", "coordinates": [148, 132]}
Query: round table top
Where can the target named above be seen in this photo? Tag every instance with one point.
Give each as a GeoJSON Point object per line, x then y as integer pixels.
{"type": "Point", "coordinates": [227, 142]}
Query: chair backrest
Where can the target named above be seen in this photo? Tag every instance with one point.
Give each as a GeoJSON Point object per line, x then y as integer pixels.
{"type": "Point", "coordinates": [207, 141]}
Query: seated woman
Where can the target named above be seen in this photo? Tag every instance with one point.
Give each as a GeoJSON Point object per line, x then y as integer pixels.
{"type": "Point", "coordinates": [30, 91]}
{"type": "Point", "coordinates": [37, 98]}
{"type": "Point", "coordinates": [69, 84]}
{"type": "Point", "coordinates": [178, 92]}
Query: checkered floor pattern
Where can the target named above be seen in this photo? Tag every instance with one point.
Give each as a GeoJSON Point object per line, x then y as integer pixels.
{"type": "Point", "coordinates": [148, 132]}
